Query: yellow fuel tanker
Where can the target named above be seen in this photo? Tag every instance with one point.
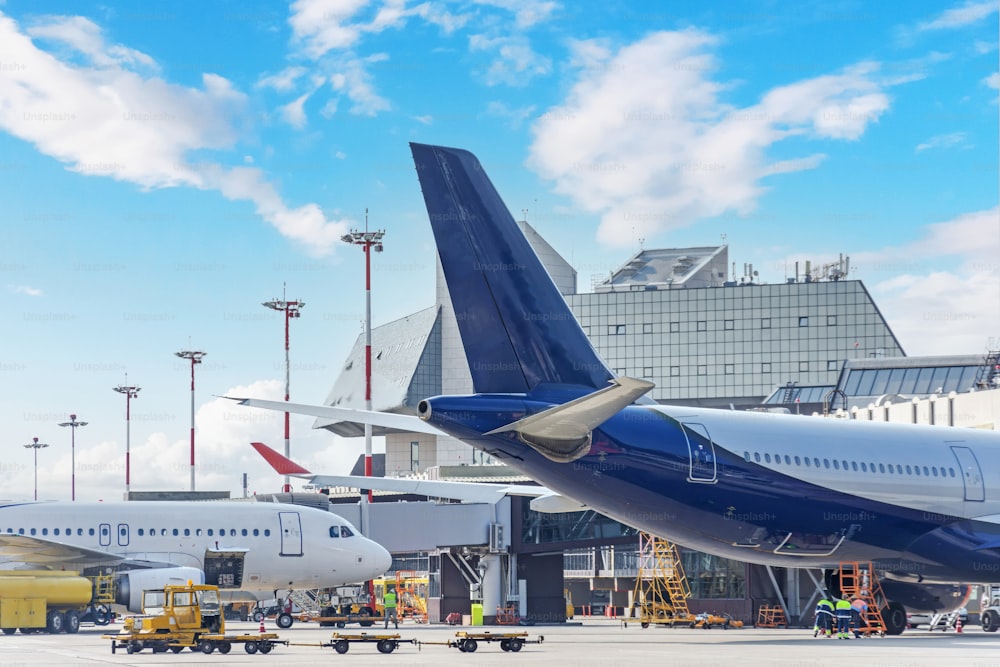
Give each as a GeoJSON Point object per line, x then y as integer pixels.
{"type": "Point", "coordinates": [42, 599]}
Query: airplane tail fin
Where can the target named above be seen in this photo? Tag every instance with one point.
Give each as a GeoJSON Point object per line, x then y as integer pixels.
{"type": "Point", "coordinates": [516, 328]}
{"type": "Point", "coordinates": [281, 464]}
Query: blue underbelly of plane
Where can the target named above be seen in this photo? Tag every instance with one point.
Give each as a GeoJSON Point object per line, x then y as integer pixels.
{"type": "Point", "coordinates": [710, 499]}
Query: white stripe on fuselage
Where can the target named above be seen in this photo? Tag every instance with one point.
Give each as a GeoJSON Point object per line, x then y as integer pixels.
{"type": "Point", "coordinates": [779, 435]}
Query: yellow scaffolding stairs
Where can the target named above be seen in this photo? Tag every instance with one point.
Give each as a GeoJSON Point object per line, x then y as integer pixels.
{"type": "Point", "coordinates": [858, 580]}
{"type": "Point", "coordinates": [661, 589]}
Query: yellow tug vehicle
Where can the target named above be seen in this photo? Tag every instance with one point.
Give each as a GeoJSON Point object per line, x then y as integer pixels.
{"type": "Point", "coordinates": [178, 617]}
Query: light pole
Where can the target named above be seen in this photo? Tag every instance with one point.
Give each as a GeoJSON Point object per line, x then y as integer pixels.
{"type": "Point", "coordinates": [73, 424]}
{"type": "Point", "coordinates": [36, 446]}
{"type": "Point", "coordinates": [130, 393]}
{"type": "Point", "coordinates": [368, 241]}
{"type": "Point", "coordinates": [291, 309]}
{"type": "Point", "coordinates": [195, 356]}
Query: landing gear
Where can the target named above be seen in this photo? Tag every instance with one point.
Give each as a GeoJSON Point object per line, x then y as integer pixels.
{"type": "Point", "coordinates": [894, 617]}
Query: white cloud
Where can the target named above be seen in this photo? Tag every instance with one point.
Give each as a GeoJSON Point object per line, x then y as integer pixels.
{"type": "Point", "coordinates": [514, 64]}
{"type": "Point", "coordinates": [84, 36]}
{"type": "Point", "coordinates": [321, 25]}
{"type": "Point", "coordinates": [114, 122]}
{"type": "Point", "coordinates": [526, 12]}
{"type": "Point", "coordinates": [353, 80]}
{"type": "Point", "coordinates": [25, 289]}
{"type": "Point", "coordinates": [514, 117]}
{"type": "Point", "coordinates": [294, 113]}
{"type": "Point", "coordinates": [944, 141]}
{"type": "Point", "coordinates": [283, 81]}
{"type": "Point", "coordinates": [992, 81]}
{"type": "Point", "coordinates": [967, 14]}
{"type": "Point", "coordinates": [426, 119]}
{"type": "Point", "coordinates": [643, 139]}
{"type": "Point", "coordinates": [938, 310]}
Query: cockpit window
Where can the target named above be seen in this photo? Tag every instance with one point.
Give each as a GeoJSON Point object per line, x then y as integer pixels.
{"type": "Point", "coordinates": [334, 531]}
{"type": "Point", "coordinates": [346, 532]}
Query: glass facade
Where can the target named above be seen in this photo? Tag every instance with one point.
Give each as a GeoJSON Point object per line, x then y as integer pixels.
{"type": "Point", "coordinates": [735, 342]}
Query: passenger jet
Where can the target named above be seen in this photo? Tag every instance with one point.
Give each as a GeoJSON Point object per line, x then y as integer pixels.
{"type": "Point", "coordinates": [779, 490]}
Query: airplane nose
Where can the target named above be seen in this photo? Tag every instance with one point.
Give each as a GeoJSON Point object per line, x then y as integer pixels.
{"type": "Point", "coordinates": [382, 559]}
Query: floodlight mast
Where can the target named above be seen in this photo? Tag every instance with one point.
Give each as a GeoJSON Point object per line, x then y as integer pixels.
{"type": "Point", "coordinates": [368, 241]}
{"type": "Point", "coordinates": [73, 424]}
{"type": "Point", "coordinates": [130, 393]}
{"type": "Point", "coordinates": [195, 356]}
{"type": "Point", "coordinates": [292, 310]}
{"type": "Point", "coordinates": [35, 445]}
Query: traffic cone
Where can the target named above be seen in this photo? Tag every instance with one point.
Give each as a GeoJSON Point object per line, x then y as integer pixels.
{"type": "Point", "coordinates": [958, 625]}
{"type": "Point", "coordinates": [262, 631]}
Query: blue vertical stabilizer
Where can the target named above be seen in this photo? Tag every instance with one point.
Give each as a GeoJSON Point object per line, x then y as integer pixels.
{"type": "Point", "coordinates": [517, 330]}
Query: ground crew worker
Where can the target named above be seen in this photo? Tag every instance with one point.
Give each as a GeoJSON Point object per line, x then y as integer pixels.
{"type": "Point", "coordinates": [824, 616]}
{"type": "Point", "coordinates": [843, 608]}
{"type": "Point", "coordinates": [859, 613]}
{"type": "Point", "coordinates": [389, 602]}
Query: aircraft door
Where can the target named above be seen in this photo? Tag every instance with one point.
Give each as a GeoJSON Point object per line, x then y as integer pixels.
{"type": "Point", "coordinates": [104, 534]}
{"type": "Point", "coordinates": [701, 454]}
{"type": "Point", "coordinates": [123, 534]}
{"type": "Point", "coordinates": [291, 533]}
{"type": "Point", "coordinates": [972, 474]}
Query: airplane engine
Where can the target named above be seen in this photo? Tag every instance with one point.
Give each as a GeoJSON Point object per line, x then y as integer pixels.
{"type": "Point", "coordinates": [130, 584]}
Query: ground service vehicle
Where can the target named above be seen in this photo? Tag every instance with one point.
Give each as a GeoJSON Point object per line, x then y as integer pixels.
{"type": "Point", "coordinates": [48, 600]}
{"type": "Point", "coordinates": [179, 617]}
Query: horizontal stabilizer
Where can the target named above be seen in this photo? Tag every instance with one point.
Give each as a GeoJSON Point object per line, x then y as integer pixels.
{"type": "Point", "coordinates": [562, 433]}
{"type": "Point", "coordinates": [391, 420]}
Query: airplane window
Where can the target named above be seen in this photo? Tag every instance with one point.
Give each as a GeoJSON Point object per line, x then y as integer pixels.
{"type": "Point", "coordinates": [345, 531]}
{"type": "Point", "coordinates": [767, 458]}
{"type": "Point", "coordinates": [232, 532]}
{"type": "Point", "coordinates": [836, 464]}
{"type": "Point", "coordinates": [187, 531]}
{"type": "Point", "coordinates": [943, 473]}
{"type": "Point", "coordinates": [899, 469]}
{"type": "Point", "coordinates": [140, 532]}
{"type": "Point", "coordinates": [163, 532]}
{"type": "Point", "coordinates": [756, 457]}
{"type": "Point", "coordinates": [854, 466]}
{"type": "Point", "coordinates": [33, 530]}
{"type": "Point", "coordinates": [807, 461]}
{"type": "Point", "coordinates": [777, 458]}
{"type": "Point", "coordinates": [826, 463]}
{"type": "Point", "coordinates": [210, 532]}
{"type": "Point", "coordinates": [934, 471]}
{"type": "Point", "coordinates": [890, 468]}
{"type": "Point", "coordinates": [916, 469]}
{"type": "Point", "coordinates": [908, 470]}
{"type": "Point", "coordinates": [816, 462]}
{"type": "Point", "coordinates": [197, 531]}
{"type": "Point", "coordinates": [244, 532]}
{"type": "Point", "coordinates": [927, 472]}
{"type": "Point", "coordinates": [20, 531]}
{"type": "Point", "coordinates": [55, 531]}
{"type": "Point", "coordinates": [881, 468]}
{"type": "Point", "coordinates": [334, 531]}
{"type": "Point", "coordinates": [797, 461]}
{"type": "Point", "coordinates": [79, 531]}
{"type": "Point", "coordinates": [951, 471]}
{"type": "Point", "coordinates": [864, 467]}
{"type": "Point", "coordinates": [90, 532]}
{"type": "Point", "coordinates": [45, 531]}
{"type": "Point", "coordinates": [788, 460]}
{"type": "Point", "coordinates": [256, 532]}
{"type": "Point", "coordinates": [176, 532]}
{"type": "Point", "coordinates": [746, 455]}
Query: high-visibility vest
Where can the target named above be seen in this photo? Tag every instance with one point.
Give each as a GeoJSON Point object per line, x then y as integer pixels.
{"type": "Point", "coordinates": [389, 601]}
{"type": "Point", "coordinates": [843, 607]}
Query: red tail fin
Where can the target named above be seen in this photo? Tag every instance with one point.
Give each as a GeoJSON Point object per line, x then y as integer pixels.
{"type": "Point", "coordinates": [281, 464]}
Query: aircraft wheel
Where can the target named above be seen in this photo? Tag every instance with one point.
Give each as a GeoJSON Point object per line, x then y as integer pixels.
{"type": "Point", "coordinates": [71, 621]}
{"type": "Point", "coordinates": [341, 646]}
{"type": "Point", "coordinates": [265, 647]}
{"type": "Point", "coordinates": [54, 621]}
{"type": "Point", "coordinates": [284, 621]}
{"type": "Point", "coordinates": [225, 647]}
{"type": "Point", "coordinates": [102, 615]}
{"type": "Point", "coordinates": [515, 644]}
{"type": "Point", "coordinates": [895, 618]}
{"type": "Point", "coordinates": [250, 647]}
{"type": "Point", "coordinates": [386, 646]}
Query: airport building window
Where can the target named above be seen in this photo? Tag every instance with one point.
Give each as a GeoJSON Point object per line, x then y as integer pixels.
{"type": "Point", "coordinates": [765, 323]}
{"type": "Point", "coordinates": [831, 320]}
{"type": "Point", "coordinates": [616, 329]}
{"type": "Point", "coordinates": [702, 370]}
{"type": "Point", "coordinates": [713, 577]}
{"type": "Point", "coordinates": [803, 366]}
{"type": "Point", "coordinates": [414, 456]}
{"type": "Point", "coordinates": [675, 371]}
{"type": "Point", "coordinates": [831, 365]}
{"type": "Point", "coordinates": [702, 325]}
{"type": "Point", "coordinates": [765, 367]}
{"type": "Point", "coordinates": [675, 327]}
{"type": "Point", "coordinates": [647, 372]}
{"type": "Point", "coordinates": [647, 328]}
{"type": "Point", "coordinates": [729, 325]}
{"type": "Point", "coordinates": [730, 369]}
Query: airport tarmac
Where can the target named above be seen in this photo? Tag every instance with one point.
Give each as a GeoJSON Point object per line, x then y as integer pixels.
{"type": "Point", "coordinates": [602, 643]}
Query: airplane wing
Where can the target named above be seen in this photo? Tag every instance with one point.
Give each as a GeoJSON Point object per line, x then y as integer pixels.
{"type": "Point", "coordinates": [36, 551]}
{"type": "Point", "coordinates": [543, 499]}
{"type": "Point", "coordinates": [383, 419]}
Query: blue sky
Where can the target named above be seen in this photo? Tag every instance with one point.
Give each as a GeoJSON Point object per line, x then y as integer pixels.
{"type": "Point", "coordinates": [166, 167]}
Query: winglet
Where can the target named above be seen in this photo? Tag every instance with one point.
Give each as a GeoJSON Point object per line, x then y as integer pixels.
{"type": "Point", "coordinates": [281, 464]}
